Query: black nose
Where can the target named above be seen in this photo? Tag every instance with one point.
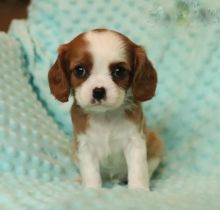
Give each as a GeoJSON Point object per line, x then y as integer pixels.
{"type": "Point", "coordinates": [99, 93]}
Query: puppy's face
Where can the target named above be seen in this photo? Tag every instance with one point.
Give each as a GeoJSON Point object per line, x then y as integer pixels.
{"type": "Point", "coordinates": [100, 66]}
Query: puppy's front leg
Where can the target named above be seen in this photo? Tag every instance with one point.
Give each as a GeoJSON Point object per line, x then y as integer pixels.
{"type": "Point", "coordinates": [89, 167]}
{"type": "Point", "coordinates": [135, 154]}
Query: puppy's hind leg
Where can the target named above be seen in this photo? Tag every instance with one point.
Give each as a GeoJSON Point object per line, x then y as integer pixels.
{"type": "Point", "coordinates": [154, 151]}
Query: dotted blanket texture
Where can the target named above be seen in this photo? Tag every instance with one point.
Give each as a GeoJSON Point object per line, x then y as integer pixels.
{"type": "Point", "coordinates": [36, 171]}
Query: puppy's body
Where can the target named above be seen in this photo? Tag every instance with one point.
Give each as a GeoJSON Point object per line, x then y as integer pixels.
{"type": "Point", "coordinates": [108, 135]}
{"type": "Point", "coordinates": [109, 76]}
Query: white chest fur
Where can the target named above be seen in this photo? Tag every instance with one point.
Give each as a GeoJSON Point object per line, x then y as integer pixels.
{"type": "Point", "coordinates": [109, 133]}
{"type": "Point", "coordinates": [106, 138]}
{"type": "Point", "coordinates": [112, 147]}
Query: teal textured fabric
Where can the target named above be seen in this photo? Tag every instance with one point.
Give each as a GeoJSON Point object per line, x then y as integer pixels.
{"type": "Point", "coordinates": [36, 171]}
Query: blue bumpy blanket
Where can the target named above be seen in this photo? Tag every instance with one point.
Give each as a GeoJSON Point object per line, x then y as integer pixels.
{"type": "Point", "coordinates": [182, 40]}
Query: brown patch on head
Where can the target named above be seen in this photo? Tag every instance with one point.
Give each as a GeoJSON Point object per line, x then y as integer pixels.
{"type": "Point", "coordinates": [78, 55]}
{"type": "Point", "coordinates": [144, 77]}
{"type": "Point", "coordinates": [62, 76]}
{"type": "Point", "coordinates": [121, 73]}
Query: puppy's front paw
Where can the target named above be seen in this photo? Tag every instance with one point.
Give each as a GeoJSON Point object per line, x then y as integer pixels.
{"type": "Point", "coordinates": [139, 186]}
{"type": "Point", "coordinates": [92, 186]}
{"type": "Point", "coordinates": [92, 183]}
{"type": "Point", "coordinates": [142, 188]}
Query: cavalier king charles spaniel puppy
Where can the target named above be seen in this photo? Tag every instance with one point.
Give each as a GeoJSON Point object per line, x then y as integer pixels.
{"type": "Point", "coordinates": [109, 76]}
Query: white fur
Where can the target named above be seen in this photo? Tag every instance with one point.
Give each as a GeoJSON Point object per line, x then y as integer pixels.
{"type": "Point", "coordinates": [105, 48]}
{"type": "Point", "coordinates": [113, 146]}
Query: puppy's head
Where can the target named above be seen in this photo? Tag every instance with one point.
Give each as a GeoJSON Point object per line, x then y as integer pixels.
{"type": "Point", "coordinates": [101, 67]}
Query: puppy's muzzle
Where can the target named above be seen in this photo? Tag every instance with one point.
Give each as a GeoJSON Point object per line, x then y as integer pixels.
{"type": "Point", "coordinates": [99, 93]}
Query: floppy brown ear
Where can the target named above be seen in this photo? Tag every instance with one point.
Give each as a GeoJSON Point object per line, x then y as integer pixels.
{"type": "Point", "coordinates": [58, 78]}
{"type": "Point", "coordinates": [145, 76]}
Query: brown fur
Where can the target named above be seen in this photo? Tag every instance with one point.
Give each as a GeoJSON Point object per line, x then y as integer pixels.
{"type": "Point", "coordinates": [75, 149]}
{"type": "Point", "coordinates": [58, 79]}
{"type": "Point", "coordinates": [80, 122]}
{"type": "Point", "coordinates": [77, 54]}
{"type": "Point", "coordinates": [61, 77]}
{"type": "Point", "coordinates": [145, 77]}
{"type": "Point", "coordinates": [126, 82]}
{"type": "Point", "coordinates": [86, 62]}
{"type": "Point", "coordinates": [79, 119]}
{"type": "Point", "coordinates": [154, 145]}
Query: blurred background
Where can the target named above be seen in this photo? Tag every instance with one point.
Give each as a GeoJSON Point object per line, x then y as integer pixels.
{"type": "Point", "coordinates": [11, 9]}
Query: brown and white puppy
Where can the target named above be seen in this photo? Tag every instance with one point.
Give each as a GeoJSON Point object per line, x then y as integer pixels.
{"type": "Point", "coordinates": [108, 76]}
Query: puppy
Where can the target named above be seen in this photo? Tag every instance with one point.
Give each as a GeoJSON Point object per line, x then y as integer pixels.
{"type": "Point", "coordinates": [109, 76]}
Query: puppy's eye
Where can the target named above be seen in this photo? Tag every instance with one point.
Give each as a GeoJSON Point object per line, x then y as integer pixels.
{"type": "Point", "coordinates": [80, 72]}
{"type": "Point", "coordinates": [119, 73]}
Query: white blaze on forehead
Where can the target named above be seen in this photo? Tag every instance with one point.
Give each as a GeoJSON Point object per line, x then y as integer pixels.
{"type": "Point", "coordinates": [105, 47]}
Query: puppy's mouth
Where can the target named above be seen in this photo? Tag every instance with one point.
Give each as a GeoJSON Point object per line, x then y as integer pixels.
{"type": "Point", "coordinates": [97, 102]}
{"type": "Point", "coordinates": [99, 106]}
{"type": "Point", "coordinates": [100, 103]}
